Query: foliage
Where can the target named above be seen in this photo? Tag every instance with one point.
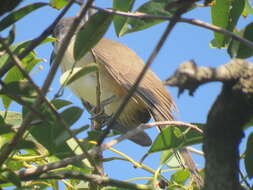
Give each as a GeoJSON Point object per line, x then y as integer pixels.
{"type": "Point", "coordinates": [46, 140]}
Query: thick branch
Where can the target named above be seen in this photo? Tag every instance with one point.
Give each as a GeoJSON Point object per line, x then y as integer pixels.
{"type": "Point", "coordinates": [189, 76]}
{"type": "Point", "coordinates": [232, 109]}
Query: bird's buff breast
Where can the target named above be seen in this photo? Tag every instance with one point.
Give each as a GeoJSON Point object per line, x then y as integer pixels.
{"type": "Point", "coordinates": [86, 86]}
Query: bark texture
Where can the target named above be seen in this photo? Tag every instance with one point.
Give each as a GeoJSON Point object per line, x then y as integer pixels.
{"type": "Point", "coordinates": [231, 111]}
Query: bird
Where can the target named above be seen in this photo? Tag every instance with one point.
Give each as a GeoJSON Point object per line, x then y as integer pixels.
{"type": "Point", "coordinates": [119, 67]}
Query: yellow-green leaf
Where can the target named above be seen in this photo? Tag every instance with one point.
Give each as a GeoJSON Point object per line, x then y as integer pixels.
{"type": "Point", "coordinates": [72, 75]}
{"type": "Point", "coordinates": [58, 4]}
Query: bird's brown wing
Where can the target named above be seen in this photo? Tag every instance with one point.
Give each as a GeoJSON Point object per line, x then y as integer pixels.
{"type": "Point", "coordinates": [124, 67]}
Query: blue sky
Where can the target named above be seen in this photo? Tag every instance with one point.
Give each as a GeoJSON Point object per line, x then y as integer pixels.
{"type": "Point", "coordinates": [185, 43]}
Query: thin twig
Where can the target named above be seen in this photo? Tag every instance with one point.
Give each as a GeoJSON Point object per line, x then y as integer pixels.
{"type": "Point", "coordinates": [138, 164]}
{"type": "Point", "coordinates": [193, 150]}
{"type": "Point", "coordinates": [70, 160]}
{"type": "Point", "coordinates": [97, 125]}
{"type": "Point", "coordinates": [99, 180]}
{"type": "Point", "coordinates": [139, 178]}
{"type": "Point", "coordinates": [196, 22]}
{"type": "Point", "coordinates": [98, 91]}
{"type": "Point", "coordinates": [142, 127]}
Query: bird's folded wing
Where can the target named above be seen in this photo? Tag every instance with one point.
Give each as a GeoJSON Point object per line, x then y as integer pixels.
{"type": "Point", "coordinates": [124, 67]}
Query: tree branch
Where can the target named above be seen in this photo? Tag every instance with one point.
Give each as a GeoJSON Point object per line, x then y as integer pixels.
{"type": "Point", "coordinates": [232, 109]}
{"type": "Point", "coordinates": [63, 163]}
{"type": "Point", "coordinates": [139, 15]}
{"type": "Point", "coordinates": [99, 180]}
{"type": "Point", "coordinates": [142, 127]}
{"type": "Point", "coordinates": [189, 76]}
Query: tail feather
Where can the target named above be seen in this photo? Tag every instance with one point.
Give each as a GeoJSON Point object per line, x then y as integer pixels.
{"type": "Point", "coordinates": [140, 138]}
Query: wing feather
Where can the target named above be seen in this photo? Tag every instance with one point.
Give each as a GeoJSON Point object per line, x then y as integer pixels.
{"type": "Point", "coordinates": [124, 67]}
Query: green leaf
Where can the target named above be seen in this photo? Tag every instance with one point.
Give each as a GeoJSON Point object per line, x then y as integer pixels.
{"type": "Point", "coordinates": [14, 164]}
{"type": "Point", "coordinates": [10, 38]}
{"type": "Point", "coordinates": [174, 161]}
{"type": "Point", "coordinates": [48, 133]}
{"type": "Point", "coordinates": [225, 14]}
{"type": "Point", "coordinates": [248, 161]}
{"type": "Point", "coordinates": [92, 31]}
{"type": "Point", "coordinates": [25, 144]}
{"type": "Point", "coordinates": [220, 17]}
{"type": "Point", "coordinates": [233, 46]}
{"type": "Point", "coordinates": [11, 176]}
{"type": "Point", "coordinates": [236, 10]}
{"type": "Point", "coordinates": [12, 118]}
{"type": "Point", "coordinates": [119, 22]}
{"type": "Point", "coordinates": [240, 50]}
{"type": "Point", "coordinates": [19, 14]}
{"type": "Point", "coordinates": [4, 129]}
{"type": "Point", "coordinates": [165, 155]}
{"type": "Point", "coordinates": [181, 176]}
{"type": "Point", "coordinates": [71, 115]}
{"type": "Point", "coordinates": [5, 139]}
{"type": "Point", "coordinates": [19, 88]}
{"type": "Point", "coordinates": [247, 9]}
{"type": "Point", "coordinates": [16, 49]}
{"type": "Point", "coordinates": [166, 140]}
{"type": "Point", "coordinates": [14, 74]}
{"type": "Point", "coordinates": [7, 5]}
{"type": "Point", "coordinates": [60, 103]}
{"type": "Point", "coordinates": [176, 137]}
{"type": "Point", "coordinates": [22, 144]}
{"type": "Point", "coordinates": [72, 75]}
{"type": "Point", "coordinates": [150, 7]}
{"type": "Point", "coordinates": [65, 135]}
{"type": "Point", "coordinates": [58, 4]}
{"type": "Point", "coordinates": [94, 135]}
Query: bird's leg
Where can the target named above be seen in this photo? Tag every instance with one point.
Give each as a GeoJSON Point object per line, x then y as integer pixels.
{"type": "Point", "coordinates": [100, 116]}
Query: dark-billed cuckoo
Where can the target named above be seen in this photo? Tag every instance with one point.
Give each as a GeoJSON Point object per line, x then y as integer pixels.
{"type": "Point", "coordinates": [119, 67]}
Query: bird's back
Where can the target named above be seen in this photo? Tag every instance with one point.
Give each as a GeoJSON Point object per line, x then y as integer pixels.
{"type": "Point", "coordinates": [124, 66]}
